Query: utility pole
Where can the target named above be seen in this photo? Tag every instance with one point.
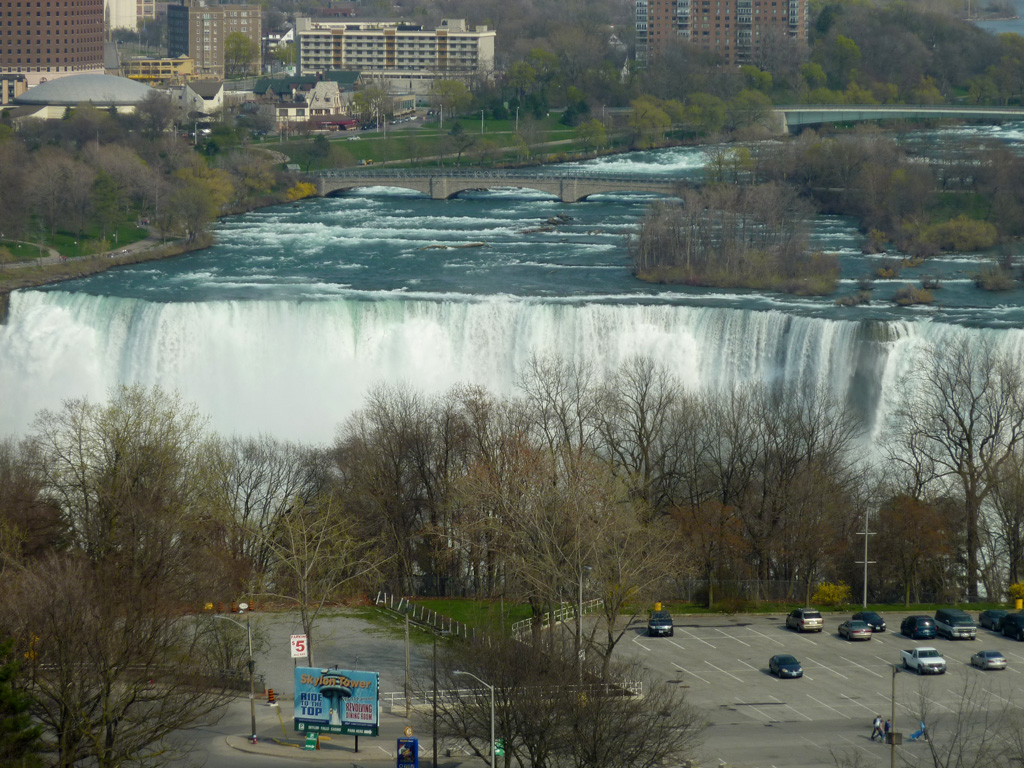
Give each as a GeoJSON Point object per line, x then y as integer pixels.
{"type": "Point", "coordinates": [407, 707]}
{"type": "Point", "coordinates": [865, 533]}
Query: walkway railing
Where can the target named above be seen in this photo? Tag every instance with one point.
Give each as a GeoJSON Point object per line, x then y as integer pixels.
{"type": "Point", "coordinates": [557, 616]}
{"type": "Point", "coordinates": [424, 616]}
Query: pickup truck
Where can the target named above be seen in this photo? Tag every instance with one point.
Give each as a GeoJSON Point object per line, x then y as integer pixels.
{"type": "Point", "coordinates": [926, 661]}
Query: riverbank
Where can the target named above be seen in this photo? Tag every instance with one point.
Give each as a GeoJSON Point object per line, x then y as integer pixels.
{"type": "Point", "coordinates": [49, 271]}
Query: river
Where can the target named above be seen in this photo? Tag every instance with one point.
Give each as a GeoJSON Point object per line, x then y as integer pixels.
{"type": "Point", "coordinates": [284, 324]}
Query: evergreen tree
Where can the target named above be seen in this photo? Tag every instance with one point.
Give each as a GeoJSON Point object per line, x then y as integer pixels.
{"type": "Point", "coordinates": [19, 738]}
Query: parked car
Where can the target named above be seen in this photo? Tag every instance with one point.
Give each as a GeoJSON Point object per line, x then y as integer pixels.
{"type": "Point", "coordinates": [990, 619]}
{"type": "Point", "coordinates": [783, 665]}
{"type": "Point", "coordinates": [1012, 625]}
{"type": "Point", "coordinates": [660, 624]}
{"type": "Point", "coordinates": [924, 661]}
{"type": "Point", "coordinates": [988, 660]}
{"type": "Point", "coordinates": [872, 619]}
{"type": "Point", "coordinates": [805, 620]}
{"type": "Point", "coordinates": [954, 624]}
{"type": "Point", "coordinates": [918, 627]}
{"type": "Point", "coordinates": [855, 630]}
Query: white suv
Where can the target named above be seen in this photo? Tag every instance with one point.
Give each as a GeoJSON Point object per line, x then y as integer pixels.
{"type": "Point", "coordinates": [806, 620]}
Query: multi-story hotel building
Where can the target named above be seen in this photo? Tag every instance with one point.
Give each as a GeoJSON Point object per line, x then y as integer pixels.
{"type": "Point", "coordinates": [734, 29]}
{"type": "Point", "coordinates": [42, 38]}
{"type": "Point", "coordinates": [395, 50]}
{"type": "Point", "coordinates": [199, 31]}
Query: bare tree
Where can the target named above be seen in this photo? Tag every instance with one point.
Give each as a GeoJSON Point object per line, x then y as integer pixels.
{"type": "Point", "coordinates": [318, 555]}
{"type": "Point", "coordinates": [961, 414]}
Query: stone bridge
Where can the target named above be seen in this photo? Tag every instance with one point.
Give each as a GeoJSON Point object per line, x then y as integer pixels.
{"type": "Point", "coordinates": [441, 185]}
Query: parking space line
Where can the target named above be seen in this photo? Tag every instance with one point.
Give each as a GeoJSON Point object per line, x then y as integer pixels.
{"type": "Point", "coordinates": [823, 704]}
{"type": "Point", "coordinates": [828, 668]}
{"type": "Point", "coordinates": [694, 637]}
{"type": "Point", "coordinates": [691, 672]}
{"type": "Point", "coordinates": [640, 644]}
{"type": "Point", "coordinates": [730, 674]}
{"type": "Point", "coordinates": [762, 634]}
{"type": "Point", "coordinates": [730, 637]}
{"type": "Point", "coordinates": [861, 666]}
{"type": "Point", "coordinates": [789, 706]}
{"type": "Point", "coordinates": [753, 708]}
{"type": "Point", "coordinates": [677, 645]}
{"type": "Point", "coordinates": [854, 701]}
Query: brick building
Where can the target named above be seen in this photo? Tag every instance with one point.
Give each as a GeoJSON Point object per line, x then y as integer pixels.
{"type": "Point", "coordinates": [734, 29]}
{"type": "Point", "coordinates": [199, 31]}
{"type": "Point", "coordinates": [41, 38]}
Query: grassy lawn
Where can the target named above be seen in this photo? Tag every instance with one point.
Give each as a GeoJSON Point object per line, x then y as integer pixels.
{"type": "Point", "coordinates": [411, 144]}
{"type": "Point", "coordinates": [22, 251]}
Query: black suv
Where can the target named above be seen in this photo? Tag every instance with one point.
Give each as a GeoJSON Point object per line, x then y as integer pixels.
{"type": "Point", "coordinates": [918, 627]}
{"type": "Point", "coordinates": [1012, 625]}
{"type": "Point", "coordinates": [660, 624]}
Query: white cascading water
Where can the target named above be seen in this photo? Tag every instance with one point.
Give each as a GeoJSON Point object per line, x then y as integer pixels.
{"type": "Point", "coordinates": [298, 369]}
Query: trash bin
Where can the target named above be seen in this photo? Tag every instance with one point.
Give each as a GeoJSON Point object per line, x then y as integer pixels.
{"type": "Point", "coordinates": [1018, 604]}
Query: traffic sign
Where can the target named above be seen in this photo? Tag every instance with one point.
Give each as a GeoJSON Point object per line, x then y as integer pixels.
{"type": "Point", "coordinates": [300, 649]}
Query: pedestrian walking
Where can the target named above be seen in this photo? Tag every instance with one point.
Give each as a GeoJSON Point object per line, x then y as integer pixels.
{"type": "Point", "coordinates": [888, 728]}
{"type": "Point", "coordinates": [919, 734]}
{"type": "Point", "coordinates": [876, 727]}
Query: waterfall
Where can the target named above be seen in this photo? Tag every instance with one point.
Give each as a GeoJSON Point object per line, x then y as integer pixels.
{"type": "Point", "coordinates": [296, 369]}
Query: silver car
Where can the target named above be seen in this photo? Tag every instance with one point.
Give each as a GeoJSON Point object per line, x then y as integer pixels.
{"type": "Point", "coordinates": [988, 660]}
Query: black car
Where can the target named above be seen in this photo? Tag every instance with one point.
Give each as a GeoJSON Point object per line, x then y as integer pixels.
{"type": "Point", "coordinates": [660, 624]}
{"type": "Point", "coordinates": [872, 619]}
{"type": "Point", "coordinates": [1012, 625]}
{"type": "Point", "coordinates": [783, 665]}
{"type": "Point", "coordinates": [990, 619]}
{"type": "Point", "coordinates": [918, 627]}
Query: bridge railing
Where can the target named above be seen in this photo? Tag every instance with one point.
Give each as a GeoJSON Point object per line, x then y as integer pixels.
{"type": "Point", "coordinates": [493, 175]}
{"type": "Point", "coordinates": [956, 108]}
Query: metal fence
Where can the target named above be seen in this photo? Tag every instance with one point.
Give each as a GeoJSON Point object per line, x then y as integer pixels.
{"type": "Point", "coordinates": [550, 618]}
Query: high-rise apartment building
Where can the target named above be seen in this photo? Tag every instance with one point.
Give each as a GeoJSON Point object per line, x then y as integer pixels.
{"type": "Point", "coordinates": [126, 14]}
{"type": "Point", "coordinates": [734, 29]}
{"type": "Point", "coordinates": [200, 31]}
{"type": "Point", "coordinates": [47, 37]}
{"type": "Point", "coordinates": [395, 50]}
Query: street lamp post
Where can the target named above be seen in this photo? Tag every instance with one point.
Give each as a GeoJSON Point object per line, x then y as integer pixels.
{"type": "Point", "coordinates": [491, 689]}
{"type": "Point", "coordinates": [244, 608]}
{"type": "Point", "coordinates": [892, 719]}
{"type": "Point", "coordinates": [579, 623]}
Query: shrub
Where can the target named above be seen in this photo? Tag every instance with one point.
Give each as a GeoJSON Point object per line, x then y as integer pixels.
{"type": "Point", "coordinates": [301, 190]}
{"type": "Point", "coordinates": [1017, 591]}
{"type": "Point", "coordinates": [962, 234]}
{"type": "Point", "coordinates": [994, 279]}
{"type": "Point", "coordinates": [908, 294]}
{"type": "Point", "coordinates": [832, 594]}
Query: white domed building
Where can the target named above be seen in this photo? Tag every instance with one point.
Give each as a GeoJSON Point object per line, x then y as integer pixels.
{"type": "Point", "coordinates": [53, 97]}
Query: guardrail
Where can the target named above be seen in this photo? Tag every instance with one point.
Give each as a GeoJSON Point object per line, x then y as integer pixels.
{"type": "Point", "coordinates": [557, 616]}
{"type": "Point", "coordinates": [425, 616]}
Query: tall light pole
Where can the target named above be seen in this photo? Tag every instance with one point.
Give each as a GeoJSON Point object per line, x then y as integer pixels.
{"type": "Point", "coordinates": [491, 689]}
{"type": "Point", "coordinates": [579, 624]}
{"type": "Point", "coordinates": [244, 608]}
{"type": "Point", "coordinates": [481, 122]}
{"type": "Point", "coordinates": [892, 719]}
{"type": "Point", "coordinates": [865, 533]}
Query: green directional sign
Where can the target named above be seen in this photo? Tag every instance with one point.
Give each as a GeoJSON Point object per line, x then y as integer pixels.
{"type": "Point", "coordinates": [311, 739]}
{"type": "Point", "coordinates": [499, 747]}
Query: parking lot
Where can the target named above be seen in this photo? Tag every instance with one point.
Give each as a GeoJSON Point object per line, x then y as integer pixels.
{"type": "Point", "coordinates": [758, 720]}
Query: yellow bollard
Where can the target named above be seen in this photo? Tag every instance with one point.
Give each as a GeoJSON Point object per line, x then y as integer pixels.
{"type": "Point", "coordinates": [1018, 604]}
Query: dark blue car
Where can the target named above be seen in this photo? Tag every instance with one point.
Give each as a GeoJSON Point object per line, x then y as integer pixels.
{"type": "Point", "coordinates": [918, 627]}
{"type": "Point", "coordinates": [783, 665]}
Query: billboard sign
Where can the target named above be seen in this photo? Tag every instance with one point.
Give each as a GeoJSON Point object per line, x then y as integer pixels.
{"type": "Point", "coordinates": [336, 701]}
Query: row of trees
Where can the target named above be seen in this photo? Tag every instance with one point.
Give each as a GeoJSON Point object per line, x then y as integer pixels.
{"type": "Point", "coordinates": [130, 513]}
{"type": "Point", "coordinates": [95, 171]}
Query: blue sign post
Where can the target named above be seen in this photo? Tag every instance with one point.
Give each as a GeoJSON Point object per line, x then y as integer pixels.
{"type": "Point", "coordinates": [336, 701]}
{"type": "Point", "coordinates": [408, 753]}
